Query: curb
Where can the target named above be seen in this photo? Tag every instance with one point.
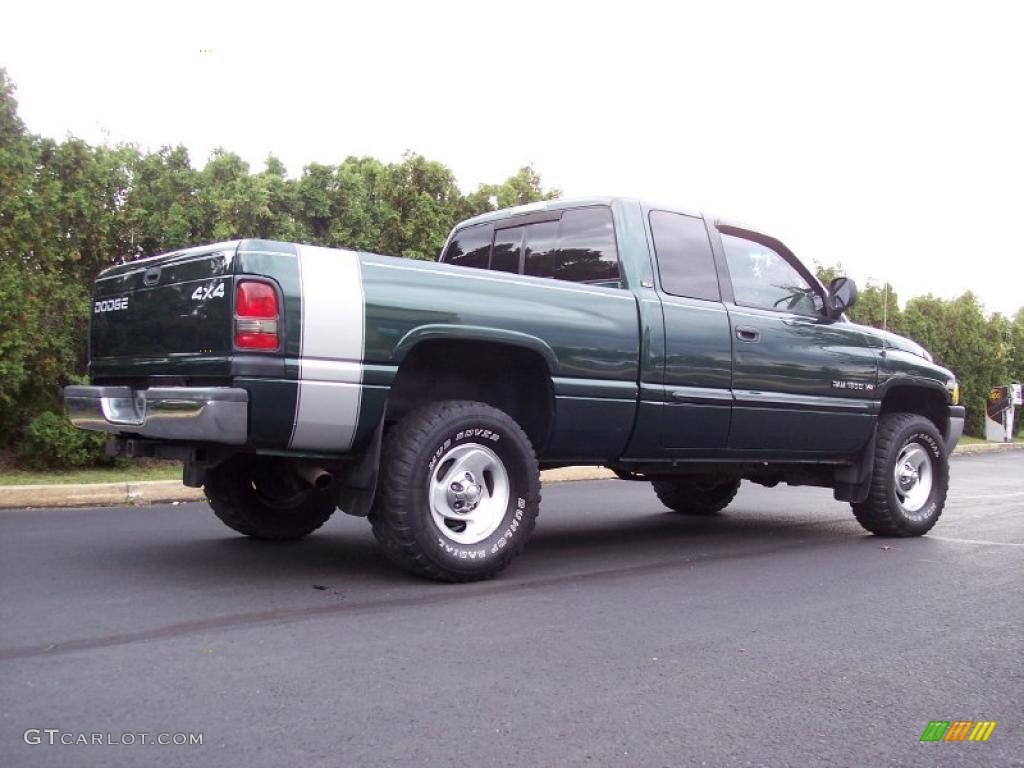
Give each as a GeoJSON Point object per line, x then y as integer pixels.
{"type": "Point", "coordinates": [571, 474]}
{"type": "Point", "coordinates": [976, 448]}
{"type": "Point", "coordinates": [97, 494]}
{"type": "Point", "coordinates": [163, 491]}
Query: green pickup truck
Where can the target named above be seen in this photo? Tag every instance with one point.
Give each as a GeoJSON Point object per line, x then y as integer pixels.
{"type": "Point", "coordinates": [673, 348]}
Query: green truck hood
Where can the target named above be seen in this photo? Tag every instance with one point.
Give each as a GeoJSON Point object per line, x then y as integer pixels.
{"type": "Point", "coordinates": [892, 340]}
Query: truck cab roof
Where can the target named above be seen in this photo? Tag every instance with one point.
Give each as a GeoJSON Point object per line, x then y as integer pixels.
{"type": "Point", "coordinates": [578, 202]}
{"type": "Point", "coordinates": [568, 202]}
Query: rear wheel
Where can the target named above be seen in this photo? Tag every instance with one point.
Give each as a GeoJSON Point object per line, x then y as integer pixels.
{"type": "Point", "coordinates": [696, 495]}
{"type": "Point", "coordinates": [459, 491]}
{"type": "Point", "coordinates": [263, 497]}
{"type": "Point", "coordinates": [909, 478]}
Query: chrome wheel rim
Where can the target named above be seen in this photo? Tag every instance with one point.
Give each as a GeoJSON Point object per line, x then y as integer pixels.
{"type": "Point", "coordinates": [913, 476]}
{"type": "Point", "coordinates": [469, 493]}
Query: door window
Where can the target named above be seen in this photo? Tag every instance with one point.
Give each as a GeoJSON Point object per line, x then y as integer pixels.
{"type": "Point", "coordinates": [685, 261]}
{"type": "Point", "coordinates": [761, 277]}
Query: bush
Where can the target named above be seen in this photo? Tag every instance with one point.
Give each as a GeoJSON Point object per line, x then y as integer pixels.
{"type": "Point", "coordinates": [50, 442]}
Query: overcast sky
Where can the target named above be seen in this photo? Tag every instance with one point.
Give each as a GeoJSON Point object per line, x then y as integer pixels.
{"type": "Point", "coordinates": [888, 136]}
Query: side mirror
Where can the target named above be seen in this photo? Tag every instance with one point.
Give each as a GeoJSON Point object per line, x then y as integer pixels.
{"type": "Point", "coordinates": [842, 295]}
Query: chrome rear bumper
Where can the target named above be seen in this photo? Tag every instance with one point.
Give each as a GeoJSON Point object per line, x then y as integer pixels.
{"type": "Point", "coordinates": [204, 414]}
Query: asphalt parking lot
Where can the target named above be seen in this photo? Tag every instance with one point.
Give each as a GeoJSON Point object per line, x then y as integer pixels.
{"type": "Point", "coordinates": [776, 634]}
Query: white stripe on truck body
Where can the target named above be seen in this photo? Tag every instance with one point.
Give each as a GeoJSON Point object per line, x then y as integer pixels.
{"type": "Point", "coordinates": [331, 353]}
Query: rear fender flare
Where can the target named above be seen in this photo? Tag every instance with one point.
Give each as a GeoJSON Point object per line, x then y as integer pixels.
{"type": "Point", "coordinates": [446, 332]}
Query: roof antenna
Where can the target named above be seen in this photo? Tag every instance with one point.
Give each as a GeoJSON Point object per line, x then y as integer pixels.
{"type": "Point", "coordinates": [885, 308]}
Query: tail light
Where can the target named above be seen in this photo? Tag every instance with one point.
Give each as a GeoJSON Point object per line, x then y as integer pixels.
{"type": "Point", "coordinates": [256, 316]}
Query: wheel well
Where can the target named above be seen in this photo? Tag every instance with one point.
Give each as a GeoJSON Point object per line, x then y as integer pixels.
{"type": "Point", "coordinates": [513, 379]}
{"type": "Point", "coordinates": [919, 400]}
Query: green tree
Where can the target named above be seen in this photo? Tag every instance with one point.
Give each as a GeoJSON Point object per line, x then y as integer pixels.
{"type": "Point", "coordinates": [50, 232]}
{"type": "Point", "coordinates": [67, 210]}
{"type": "Point", "coordinates": [878, 306]}
{"type": "Point", "coordinates": [826, 273]}
{"type": "Point", "coordinates": [961, 338]}
{"type": "Point", "coordinates": [522, 187]}
{"type": "Point", "coordinates": [279, 192]}
{"type": "Point", "coordinates": [19, 234]}
{"type": "Point", "coordinates": [419, 206]}
{"type": "Point", "coordinates": [163, 208]}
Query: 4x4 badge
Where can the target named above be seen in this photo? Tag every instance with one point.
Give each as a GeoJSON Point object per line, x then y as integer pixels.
{"type": "Point", "coordinates": [211, 291]}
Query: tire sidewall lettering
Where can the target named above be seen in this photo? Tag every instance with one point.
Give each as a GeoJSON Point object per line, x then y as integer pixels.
{"type": "Point", "coordinates": [926, 440]}
{"type": "Point", "coordinates": [512, 522]}
{"type": "Point", "coordinates": [934, 448]}
{"type": "Point", "coordinates": [436, 457]}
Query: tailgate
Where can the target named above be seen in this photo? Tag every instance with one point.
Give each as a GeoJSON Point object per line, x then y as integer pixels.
{"type": "Point", "coordinates": [168, 314]}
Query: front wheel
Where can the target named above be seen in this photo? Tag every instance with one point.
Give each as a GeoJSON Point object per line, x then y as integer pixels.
{"type": "Point", "coordinates": [909, 480]}
{"type": "Point", "coordinates": [459, 491]}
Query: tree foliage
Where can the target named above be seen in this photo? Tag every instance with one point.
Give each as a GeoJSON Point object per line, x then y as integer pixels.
{"type": "Point", "coordinates": [68, 209]}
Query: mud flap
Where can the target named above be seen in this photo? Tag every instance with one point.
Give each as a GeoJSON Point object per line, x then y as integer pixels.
{"type": "Point", "coordinates": [359, 483]}
{"type": "Point", "coordinates": [853, 483]}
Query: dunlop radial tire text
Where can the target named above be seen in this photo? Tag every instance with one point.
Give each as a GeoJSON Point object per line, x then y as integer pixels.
{"type": "Point", "coordinates": [881, 512]}
{"type": "Point", "coordinates": [401, 517]}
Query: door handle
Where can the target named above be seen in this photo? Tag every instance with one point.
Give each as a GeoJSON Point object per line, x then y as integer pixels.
{"type": "Point", "coordinates": [746, 333]}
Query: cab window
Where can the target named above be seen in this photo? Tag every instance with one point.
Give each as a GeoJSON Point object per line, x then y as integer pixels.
{"type": "Point", "coordinates": [541, 249]}
{"type": "Point", "coordinates": [470, 247]}
{"type": "Point", "coordinates": [761, 277]}
{"type": "Point", "coordinates": [580, 248]}
{"type": "Point", "coordinates": [685, 261]}
{"type": "Point", "coordinates": [505, 255]}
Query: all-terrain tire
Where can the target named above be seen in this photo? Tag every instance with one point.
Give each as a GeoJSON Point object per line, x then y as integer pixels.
{"type": "Point", "coordinates": [890, 508]}
{"type": "Point", "coordinates": [696, 495]}
{"type": "Point", "coordinates": [261, 497]}
{"type": "Point", "coordinates": [415, 463]}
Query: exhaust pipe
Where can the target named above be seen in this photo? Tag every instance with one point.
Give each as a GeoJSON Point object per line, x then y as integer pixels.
{"type": "Point", "coordinates": [317, 477]}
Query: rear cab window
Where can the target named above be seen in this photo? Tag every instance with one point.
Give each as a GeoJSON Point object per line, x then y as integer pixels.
{"type": "Point", "coordinates": [470, 247]}
{"type": "Point", "coordinates": [541, 249]}
{"type": "Point", "coordinates": [587, 252]}
{"type": "Point", "coordinates": [578, 246]}
{"type": "Point", "coordinates": [507, 252]}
